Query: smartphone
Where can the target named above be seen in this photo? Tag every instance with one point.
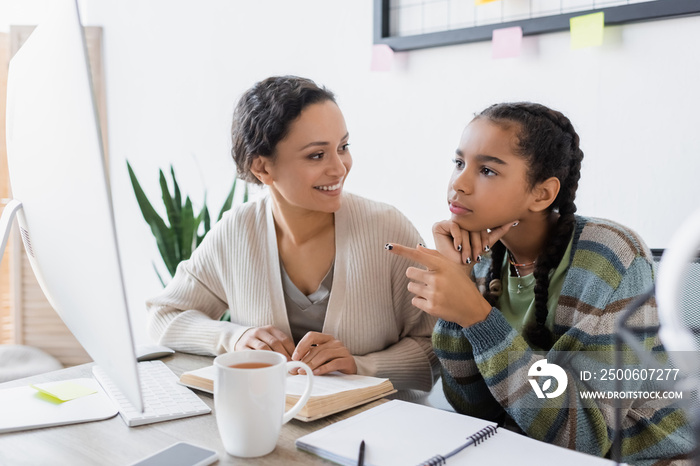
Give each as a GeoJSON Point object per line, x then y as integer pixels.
{"type": "Point", "coordinates": [180, 454]}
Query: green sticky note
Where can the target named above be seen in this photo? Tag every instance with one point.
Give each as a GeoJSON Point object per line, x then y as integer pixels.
{"type": "Point", "coordinates": [64, 391]}
{"type": "Point", "coordinates": [587, 30]}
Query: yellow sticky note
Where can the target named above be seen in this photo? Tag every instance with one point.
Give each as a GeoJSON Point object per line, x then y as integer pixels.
{"type": "Point", "coordinates": [587, 30]}
{"type": "Point", "coordinates": [64, 391]}
{"type": "Point", "coordinates": [483, 2]}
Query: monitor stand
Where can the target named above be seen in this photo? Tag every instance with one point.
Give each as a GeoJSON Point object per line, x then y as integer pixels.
{"type": "Point", "coordinates": [24, 408]}
{"type": "Point", "coordinates": [8, 215]}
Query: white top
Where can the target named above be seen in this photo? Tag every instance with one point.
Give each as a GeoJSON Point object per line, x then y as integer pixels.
{"type": "Point", "coordinates": [237, 267]}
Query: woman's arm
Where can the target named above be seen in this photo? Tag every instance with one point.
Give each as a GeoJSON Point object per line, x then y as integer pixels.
{"type": "Point", "coordinates": [185, 316]}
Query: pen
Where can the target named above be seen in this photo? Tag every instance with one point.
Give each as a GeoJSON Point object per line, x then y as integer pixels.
{"type": "Point", "coordinates": [361, 455]}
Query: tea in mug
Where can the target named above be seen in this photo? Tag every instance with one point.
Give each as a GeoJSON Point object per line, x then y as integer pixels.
{"type": "Point", "coordinates": [250, 365]}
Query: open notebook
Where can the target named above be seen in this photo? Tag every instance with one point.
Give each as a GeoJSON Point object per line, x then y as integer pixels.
{"type": "Point", "coordinates": [404, 434]}
{"type": "Point", "coordinates": [331, 393]}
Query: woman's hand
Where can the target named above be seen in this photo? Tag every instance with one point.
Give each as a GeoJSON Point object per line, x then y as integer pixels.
{"type": "Point", "coordinates": [266, 338]}
{"type": "Point", "coordinates": [445, 289]}
{"type": "Point", "coordinates": [324, 354]}
{"type": "Point", "coordinates": [462, 246]}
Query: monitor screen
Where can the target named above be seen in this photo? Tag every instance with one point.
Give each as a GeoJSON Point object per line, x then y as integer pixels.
{"type": "Point", "coordinates": [57, 171]}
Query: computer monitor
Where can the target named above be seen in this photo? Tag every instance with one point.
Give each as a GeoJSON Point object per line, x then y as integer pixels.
{"type": "Point", "coordinates": [57, 171]}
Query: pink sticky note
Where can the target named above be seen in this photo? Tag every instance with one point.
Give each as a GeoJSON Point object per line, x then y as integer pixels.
{"type": "Point", "coordinates": [507, 42]}
{"type": "Point", "coordinates": [382, 58]}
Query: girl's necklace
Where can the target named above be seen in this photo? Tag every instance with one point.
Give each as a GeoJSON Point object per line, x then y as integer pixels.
{"type": "Point", "coordinates": [515, 265]}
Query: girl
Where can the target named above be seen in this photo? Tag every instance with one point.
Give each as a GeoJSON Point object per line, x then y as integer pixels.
{"type": "Point", "coordinates": [554, 282]}
{"type": "Point", "coordinates": [302, 270]}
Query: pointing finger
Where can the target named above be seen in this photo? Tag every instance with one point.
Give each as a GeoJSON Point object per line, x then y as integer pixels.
{"type": "Point", "coordinates": [424, 256]}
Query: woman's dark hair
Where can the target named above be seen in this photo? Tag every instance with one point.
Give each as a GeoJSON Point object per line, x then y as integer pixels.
{"type": "Point", "coordinates": [263, 115]}
{"type": "Point", "coordinates": [550, 146]}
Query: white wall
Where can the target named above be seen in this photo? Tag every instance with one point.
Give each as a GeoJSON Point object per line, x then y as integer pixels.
{"type": "Point", "coordinates": [174, 69]}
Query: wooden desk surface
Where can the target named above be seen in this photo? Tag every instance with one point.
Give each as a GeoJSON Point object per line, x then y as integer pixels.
{"type": "Point", "coordinates": [112, 442]}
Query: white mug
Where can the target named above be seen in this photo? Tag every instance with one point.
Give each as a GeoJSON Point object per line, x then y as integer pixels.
{"type": "Point", "coordinates": [249, 401]}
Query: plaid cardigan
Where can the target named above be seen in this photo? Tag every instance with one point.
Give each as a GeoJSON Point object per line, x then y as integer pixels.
{"type": "Point", "coordinates": [610, 266]}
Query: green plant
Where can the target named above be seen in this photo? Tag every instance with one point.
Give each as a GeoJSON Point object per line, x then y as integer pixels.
{"type": "Point", "coordinates": [181, 235]}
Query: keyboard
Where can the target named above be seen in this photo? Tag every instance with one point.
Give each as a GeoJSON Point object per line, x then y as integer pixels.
{"type": "Point", "coordinates": [163, 398]}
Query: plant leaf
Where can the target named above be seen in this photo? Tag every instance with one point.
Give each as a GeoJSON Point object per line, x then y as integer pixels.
{"type": "Point", "coordinates": [165, 239]}
{"type": "Point", "coordinates": [177, 241]}
{"type": "Point", "coordinates": [229, 200]}
{"type": "Point", "coordinates": [207, 222]}
{"type": "Point", "coordinates": [197, 222]}
{"type": "Point", "coordinates": [204, 215]}
{"type": "Point", "coordinates": [187, 230]}
{"type": "Point", "coordinates": [173, 215]}
{"type": "Point", "coordinates": [158, 274]}
{"type": "Point", "coordinates": [176, 188]}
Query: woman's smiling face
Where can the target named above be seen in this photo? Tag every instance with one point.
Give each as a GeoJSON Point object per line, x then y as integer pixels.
{"type": "Point", "coordinates": [310, 164]}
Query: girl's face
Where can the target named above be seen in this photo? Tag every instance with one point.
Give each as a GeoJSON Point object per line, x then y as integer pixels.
{"type": "Point", "coordinates": [312, 161]}
{"type": "Point", "coordinates": [488, 187]}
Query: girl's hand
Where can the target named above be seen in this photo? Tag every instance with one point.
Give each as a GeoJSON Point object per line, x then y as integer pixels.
{"type": "Point", "coordinates": [445, 289]}
{"type": "Point", "coordinates": [266, 338]}
{"type": "Point", "coordinates": [462, 246]}
{"type": "Point", "coordinates": [324, 354]}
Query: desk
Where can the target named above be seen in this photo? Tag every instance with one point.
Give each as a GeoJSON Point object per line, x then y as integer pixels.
{"type": "Point", "coordinates": [112, 442]}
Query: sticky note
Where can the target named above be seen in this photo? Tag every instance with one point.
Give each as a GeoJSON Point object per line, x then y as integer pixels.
{"type": "Point", "coordinates": [382, 58]}
{"type": "Point", "coordinates": [587, 30]}
{"type": "Point", "coordinates": [506, 42]}
{"type": "Point", "coordinates": [483, 2]}
{"type": "Point", "coordinates": [64, 391]}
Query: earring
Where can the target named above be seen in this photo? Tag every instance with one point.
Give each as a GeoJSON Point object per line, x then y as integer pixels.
{"type": "Point", "coordinates": [496, 287]}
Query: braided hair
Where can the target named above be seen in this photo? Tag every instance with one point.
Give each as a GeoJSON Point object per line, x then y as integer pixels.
{"type": "Point", "coordinates": [550, 146]}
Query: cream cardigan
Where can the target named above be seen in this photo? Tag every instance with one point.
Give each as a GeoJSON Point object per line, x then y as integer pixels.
{"type": "Point", "coordinates": [237, 268]}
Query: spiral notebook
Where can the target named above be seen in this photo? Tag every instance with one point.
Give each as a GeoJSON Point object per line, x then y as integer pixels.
{"type": "Point", "coordinates": [400, 433]}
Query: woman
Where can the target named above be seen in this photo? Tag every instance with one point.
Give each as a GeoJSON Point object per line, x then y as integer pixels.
{"type": "Point", "coordinates": [301, 270]}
